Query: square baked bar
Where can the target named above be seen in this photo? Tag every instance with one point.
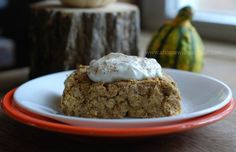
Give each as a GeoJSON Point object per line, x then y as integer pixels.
{"type": "Point", "coordinates": [153, 97]}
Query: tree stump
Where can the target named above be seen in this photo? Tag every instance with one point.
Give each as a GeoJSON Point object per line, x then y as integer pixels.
{"type": "Point", "coordinates": [61, 37]}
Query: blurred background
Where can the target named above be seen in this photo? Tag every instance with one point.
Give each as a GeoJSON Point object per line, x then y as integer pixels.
{"type": "Point", "coordinates": [215, 20]}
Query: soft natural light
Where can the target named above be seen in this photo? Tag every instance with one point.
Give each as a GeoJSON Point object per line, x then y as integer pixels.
{"type": "Point", "coordinates": [214, 11]}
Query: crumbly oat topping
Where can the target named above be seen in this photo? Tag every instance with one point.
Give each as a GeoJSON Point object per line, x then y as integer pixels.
{"type": "Point", "coordinates": [148, 98]}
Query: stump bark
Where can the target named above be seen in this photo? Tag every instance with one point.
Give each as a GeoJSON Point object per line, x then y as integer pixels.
{"type": "Point", "coordinates": [62, 37]}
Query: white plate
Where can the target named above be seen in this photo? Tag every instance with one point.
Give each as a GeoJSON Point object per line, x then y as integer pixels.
{"type": "Point", "coordinates": [200, 95]}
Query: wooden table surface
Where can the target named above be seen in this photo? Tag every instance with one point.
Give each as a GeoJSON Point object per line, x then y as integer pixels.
{"type": "Point", "coordinates": [218, 137]}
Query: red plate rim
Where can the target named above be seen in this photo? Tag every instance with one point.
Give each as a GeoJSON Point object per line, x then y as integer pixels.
{"type": "Point", "coordinates": [35, 120]}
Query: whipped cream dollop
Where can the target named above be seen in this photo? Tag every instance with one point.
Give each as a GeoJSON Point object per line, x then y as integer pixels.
{"type": "Point", "coordinates": [117, 66]}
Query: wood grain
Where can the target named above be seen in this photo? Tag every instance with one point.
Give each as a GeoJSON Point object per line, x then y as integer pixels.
{"type": "Point", "coordinates": [62, 37]}
{"type": "Point", "coordinates": [218, 137]}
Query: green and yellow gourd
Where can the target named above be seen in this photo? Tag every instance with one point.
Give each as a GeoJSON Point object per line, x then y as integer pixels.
{"type": "Point", "coordinates": [177, 44]}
